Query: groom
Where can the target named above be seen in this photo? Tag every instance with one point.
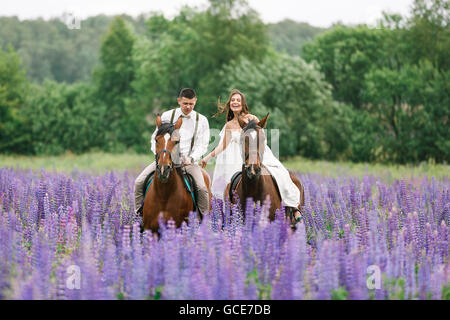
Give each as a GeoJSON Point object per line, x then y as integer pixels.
{"type": "Point", "coordinates": [194, 135]}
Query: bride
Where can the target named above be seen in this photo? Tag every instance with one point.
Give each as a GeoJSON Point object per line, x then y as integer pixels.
{"type": "Point", "coordinates": [230, 161]}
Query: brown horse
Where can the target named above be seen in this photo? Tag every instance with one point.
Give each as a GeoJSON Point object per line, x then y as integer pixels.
{"type": "Point", "coordinates": [256, 181]}
{"type": "Point", "coordinates": [167, 193]}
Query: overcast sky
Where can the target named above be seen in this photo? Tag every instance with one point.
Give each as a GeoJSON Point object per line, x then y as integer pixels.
{"type": "Point", "coordinates": [321, 13]}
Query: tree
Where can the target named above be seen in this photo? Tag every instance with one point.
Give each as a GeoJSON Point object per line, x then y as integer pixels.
{"type": "Point", "coordinates": [289, 36]}
{"type": "Point", "coordinates": [13, 85]}
{"type": "Point", "coordinates": [115, 75]}
{"type": "Point", "coordinates": [429, 32]}
{"type": "Point", "coordinates": [409, 104]}
{"type": "Point", "coordinates": [299, 101]}
{"type": "Point", "coordinates": [114, 87]}
{"type": "Point", "coordinates": [65, 117]}
{"type": "Point", "coordinates": [395, 77]}
{"type": "Point", "coordinates": [190, 50]}
{"type": "Point", "coordinates": [345, 55]}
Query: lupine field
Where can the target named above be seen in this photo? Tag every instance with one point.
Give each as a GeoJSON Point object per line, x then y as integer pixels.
{"type": "Point", "coordinates": [51, 222]}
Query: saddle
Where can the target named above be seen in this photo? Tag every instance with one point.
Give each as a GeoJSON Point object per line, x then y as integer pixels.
{"type": "Point", "coordinates": [189, 184]}
{"type": "Point", "coordinates": [236, 179]}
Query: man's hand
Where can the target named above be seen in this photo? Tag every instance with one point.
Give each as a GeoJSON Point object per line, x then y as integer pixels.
{"type": "Point", "coordinates": [186, 160]}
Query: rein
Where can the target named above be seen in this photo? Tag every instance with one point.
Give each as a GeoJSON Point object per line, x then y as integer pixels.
{"type": "Point", "coordinates": [158, 167]}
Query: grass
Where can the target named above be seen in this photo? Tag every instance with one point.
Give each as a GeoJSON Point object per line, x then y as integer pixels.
{"type": "Point", "coordinates": [96, 162]}
{"type": "Point", "coordinates": [103, 162]}
{"type": "Point", "coordinates": [388, 172]}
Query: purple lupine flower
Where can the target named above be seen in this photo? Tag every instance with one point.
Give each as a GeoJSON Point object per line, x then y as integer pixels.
{"type": "Point", "coordinates": [72, 221]}
{"type": "Point", "coordinates": [409, 274]}
{"type": "Point", "coordinates": [324, 272]}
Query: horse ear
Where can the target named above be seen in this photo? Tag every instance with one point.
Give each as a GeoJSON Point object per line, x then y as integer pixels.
{"type": "Point", "coordinates": [262, 122]}
{"type": "Point", "coordinates": [178, 123]}
{"type": "Point", "coordinates": [158, 120]}
{"type": "Point", "coordinates": [241, 121]}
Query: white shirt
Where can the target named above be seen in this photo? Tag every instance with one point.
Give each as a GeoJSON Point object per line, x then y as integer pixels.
{"type": "Point", "coordinates": [186, 132]}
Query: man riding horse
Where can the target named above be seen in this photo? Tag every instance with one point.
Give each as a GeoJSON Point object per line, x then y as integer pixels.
{"type": "Point", "coordinates": [194, 139]}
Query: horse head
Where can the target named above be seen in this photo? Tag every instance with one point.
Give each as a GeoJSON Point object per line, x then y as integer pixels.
{"type": "Point", "coordinates": [167, 147]}
{"type": "Point", "coordinates": [253, 140]}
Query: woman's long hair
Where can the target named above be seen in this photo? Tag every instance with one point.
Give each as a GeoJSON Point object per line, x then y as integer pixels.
{"type": "Point", "coordinates": [222, 108]}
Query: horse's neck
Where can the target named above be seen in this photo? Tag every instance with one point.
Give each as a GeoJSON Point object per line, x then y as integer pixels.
{"type": "Point", "coordinates": [251, 187]}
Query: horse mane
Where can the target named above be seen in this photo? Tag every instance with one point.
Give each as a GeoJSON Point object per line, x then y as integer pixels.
{"type": "Point", "coordinates": [251, 125]}
{"type": "Point", "coordinates": [166, 127]}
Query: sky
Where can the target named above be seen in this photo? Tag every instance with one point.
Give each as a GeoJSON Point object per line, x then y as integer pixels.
{"type": "Point", "coordinates": [320, 13]}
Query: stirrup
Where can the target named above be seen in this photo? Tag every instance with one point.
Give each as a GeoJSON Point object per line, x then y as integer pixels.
{"type": "Point", "coordinates": [292, 211]}
{"type": "Point", "coordinates": [140, 211]}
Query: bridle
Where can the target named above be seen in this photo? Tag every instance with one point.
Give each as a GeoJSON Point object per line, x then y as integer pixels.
{"type": "Point", "coordinates": [244, 156]}
{"type": "Point", "coordinates": [158, 155]}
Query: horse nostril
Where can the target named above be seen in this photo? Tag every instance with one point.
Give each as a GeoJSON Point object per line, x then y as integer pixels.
{"type": "Point", "coordinates": [166, 171]}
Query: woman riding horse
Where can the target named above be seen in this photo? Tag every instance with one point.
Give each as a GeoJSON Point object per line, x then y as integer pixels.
{"type": "Point", "coordinates": [257, 181]}
{"type": "Point", "coordinates": [229, 161]}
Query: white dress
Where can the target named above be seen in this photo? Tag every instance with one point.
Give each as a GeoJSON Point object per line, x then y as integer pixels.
{"type": "Point", "coordinates": [229, 161]}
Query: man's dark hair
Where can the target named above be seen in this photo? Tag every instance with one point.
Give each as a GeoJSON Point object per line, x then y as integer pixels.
{"type": "Point", "coordinates": [187, 93]}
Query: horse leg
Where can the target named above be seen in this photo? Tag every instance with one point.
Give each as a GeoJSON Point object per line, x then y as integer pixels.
{"type": "Point", "coordinates": [208, 185]}
{"type": "Point", "coordinates": [271, 190]}
{"type": "Point", "coordinates": [226, 195]}
{"type": "Point", "coordinates": [299, 185]}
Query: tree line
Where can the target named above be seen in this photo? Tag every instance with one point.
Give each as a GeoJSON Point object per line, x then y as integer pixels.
{"type": "Point", "coordinates": [349, 93]}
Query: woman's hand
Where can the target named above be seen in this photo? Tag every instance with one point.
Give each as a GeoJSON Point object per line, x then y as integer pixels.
{"type": "Point", "coordinates": [204, 162]}
{"type": "Point", "coordinates": [254, 118]}
{"type": "Point", "coordinates": [249, 117]}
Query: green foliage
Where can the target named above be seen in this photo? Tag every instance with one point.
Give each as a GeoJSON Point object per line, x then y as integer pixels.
{"type": "Point", "coordinates": [124, 122]}
{"type": "Point", "coordinates": [364, 94]}
{"type": "Point", "coordinates": [339, 294]}
{"type": "Point", "coordinates": [446, 293]}
{"type": "Point", "coordinates": [191, 49]}
{"type": "Point", "coordinates": [64, 117]}
{"type": "Point", "coordinates": [299, 102]}
{"type": "Point", "coordinates": [429, 32]}
{"type": "Point", "coordinates": [396, 287]}
{"type": "Point", "coordinates": [116, 73]}
{"type": "Point", "coordinates": [345, 55]}
{"type": "Point", "coordinates": [50, 50]}
{"type": "Point", "coordinates": [158, 291]}
{"type": "Point", "coordinates": [408, 104]}
{"type": "Point", "coordinates": [13, 86]}
{"type": "Point", "coordinates": [365, 138]}
{"type": "Point", "coordinates": [396, 77]}
{"type": "Point", "coordinates": [289, 36]}
{"type": "Point", "coordinates": [264, 291]}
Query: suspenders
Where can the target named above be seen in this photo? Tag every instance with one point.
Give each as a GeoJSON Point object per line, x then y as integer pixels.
{"type": "Point", "coordinates": [195, 129]}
